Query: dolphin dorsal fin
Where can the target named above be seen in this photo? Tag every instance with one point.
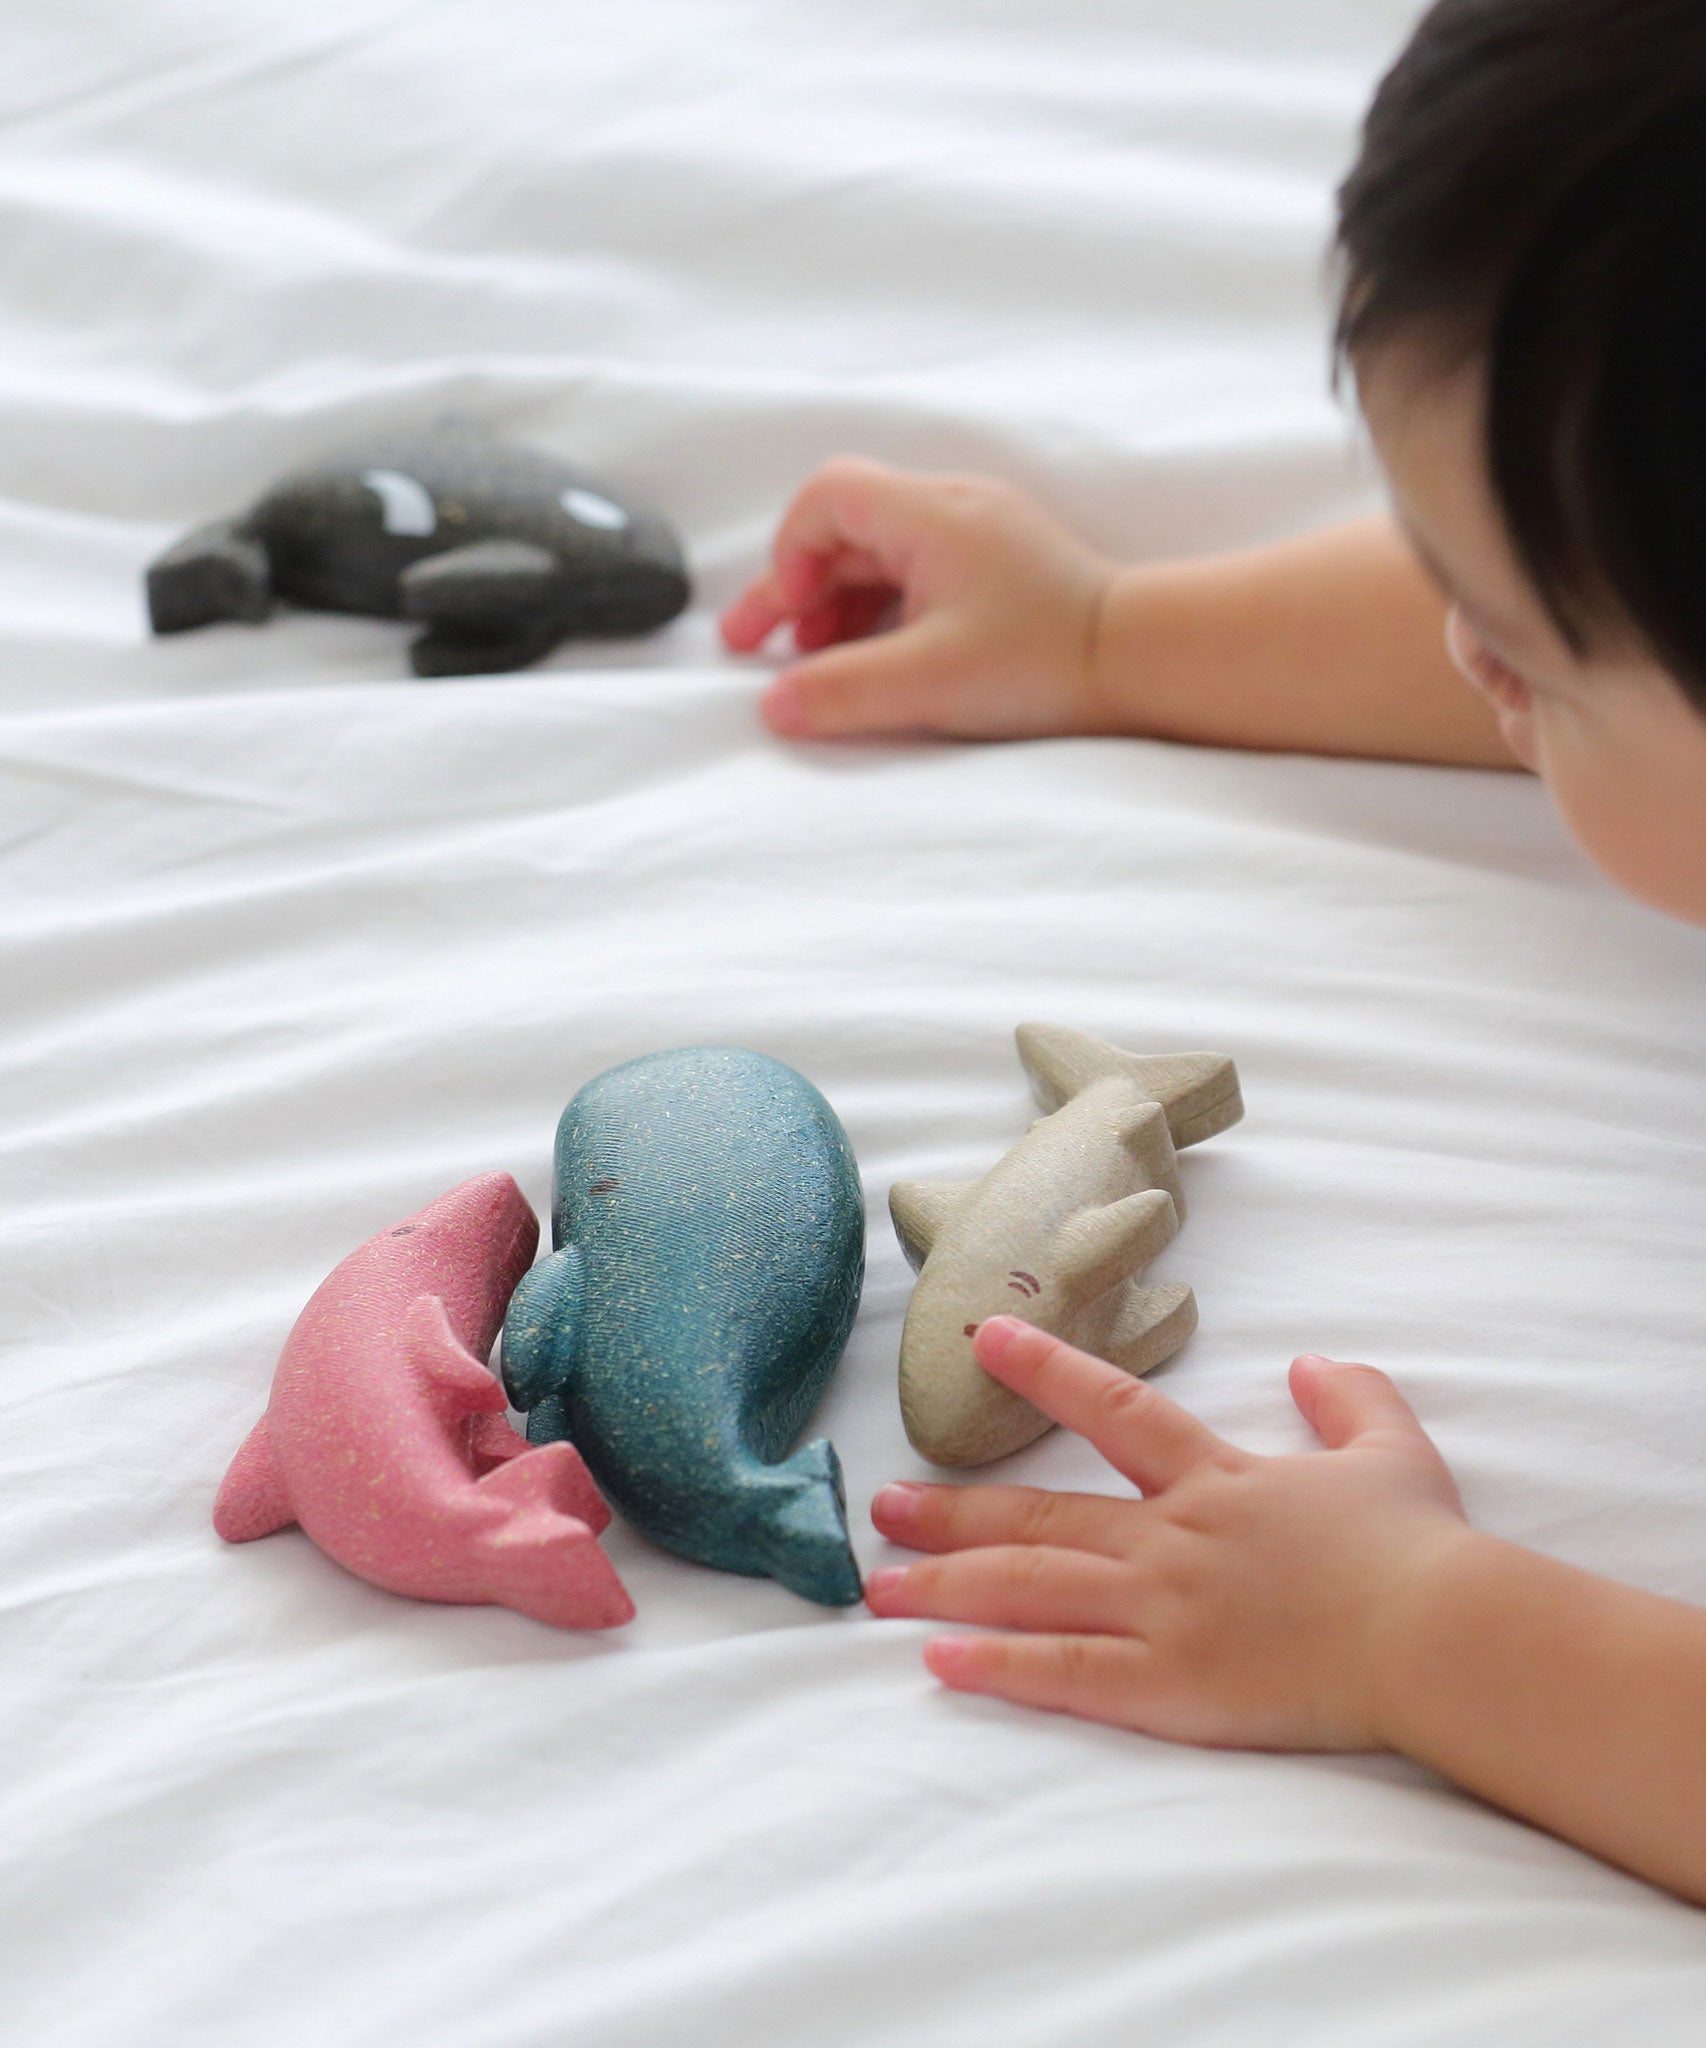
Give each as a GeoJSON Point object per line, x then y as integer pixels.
{"type": "Point", "coordinates": [252, 1501]}
{"type": "Point", "coordinates": [1198, 1090]}
{"type": "Point", "coordinates": [457, 1382]}
{"type": "Point", "coordinates": [1098, 1248]}
{"type": "Point", "coordinates": [920, 1209]}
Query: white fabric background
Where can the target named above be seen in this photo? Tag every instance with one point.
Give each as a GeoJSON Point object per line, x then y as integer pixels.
{"type": "Point", "coordinates": [288, 945]}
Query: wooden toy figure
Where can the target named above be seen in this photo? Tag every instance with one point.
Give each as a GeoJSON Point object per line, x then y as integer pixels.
{"type": "Point", "coordinates": [710, 1242]}
{"type": "Point", "coordinates": [386, 1439]}
{"type": "Point", "coordinates": [1056, 1233]}
{"type": "Point", "coordinates": [499, 550]}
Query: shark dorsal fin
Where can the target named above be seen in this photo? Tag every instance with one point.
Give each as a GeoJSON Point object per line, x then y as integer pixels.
{"type": "Point", "coordinates": [922, 1208]}
{"type": "Point", "coordinates": [457, 1382]}
{"type": "Point", "coordinates": [1098, 1248]}
{"type": "Point", "coordinates": [1151, 1325]}
{"type": "Point", "coordinates": [1198, 1090]}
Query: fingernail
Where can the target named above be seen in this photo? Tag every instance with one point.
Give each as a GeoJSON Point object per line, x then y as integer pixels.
{"type": "Point", "coordinates": [997, 1337]}
{"type": "Point", "coordinates": [784, 707]}
{"type": "Point", "coordinates": [1310, 1358]}
{"type": "Point", "coordinates": [948, 1656]}
{"type": "Point", "coordinates": [896, 1502]}
{"type": "Point", "coordinates": [884, 1581]}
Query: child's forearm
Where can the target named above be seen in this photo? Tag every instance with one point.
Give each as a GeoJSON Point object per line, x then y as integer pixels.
{"type": "Point", "coordinates": [1332, 643]}
{"type": "Point", "coordinates": [1577, 1703]}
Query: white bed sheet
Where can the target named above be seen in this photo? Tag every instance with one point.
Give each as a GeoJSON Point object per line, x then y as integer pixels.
{"type": "Point", "coordinates": [289, 945]}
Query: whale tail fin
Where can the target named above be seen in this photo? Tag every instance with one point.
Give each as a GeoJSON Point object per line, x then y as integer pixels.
{"type": "Point", "coordinates": [805, 1538]}
{"type": "Point", "coordinates": [1198, 1090]}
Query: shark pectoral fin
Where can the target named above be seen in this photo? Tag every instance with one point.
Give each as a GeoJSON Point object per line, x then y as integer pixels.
{"type": "Point", "coordinates": [805, 1542]}
{"type": "Point", "coordinates": [539, 1330]}
{"type": "Point", "coordinates": [920, 1209]}
{"type": "Point", "coordinates": [456, 1380]}
{"type": "Point", "coordinates": [1098, 1248]}
{"type": "Point", "coordinates": [1198, 1090]}
{"type": "Point", "coordinates": [552, 1477]}
{"type": "Point", "coordinates": [252, 1501]}
{"type": "Point", "coordinates": [491, 1440]}
{"type": "Point", "coordinates": [1151, 1325]}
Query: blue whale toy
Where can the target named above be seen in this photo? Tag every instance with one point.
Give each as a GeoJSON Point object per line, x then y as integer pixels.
{"type": "Point", "coordinates": [710, 1246]}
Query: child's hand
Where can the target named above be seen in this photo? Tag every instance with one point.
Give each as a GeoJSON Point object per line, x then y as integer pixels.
{"type": "Point", "coordinates": [1244, 1601]}
{"type": "Point", "coordinates": [995, 609]}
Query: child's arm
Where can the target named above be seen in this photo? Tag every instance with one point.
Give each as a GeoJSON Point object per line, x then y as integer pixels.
{"type": "Point", "coordinates": [1004, 625]}
{"type": "Point", "coordinates": [1336, 1600]}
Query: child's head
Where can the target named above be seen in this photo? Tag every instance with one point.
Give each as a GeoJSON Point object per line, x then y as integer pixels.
{"type": "Point", "coordinates": [1523, 258]}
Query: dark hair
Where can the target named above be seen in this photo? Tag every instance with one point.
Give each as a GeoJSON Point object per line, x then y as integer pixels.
{"type": "Point", "coordinates": [1531, 188]}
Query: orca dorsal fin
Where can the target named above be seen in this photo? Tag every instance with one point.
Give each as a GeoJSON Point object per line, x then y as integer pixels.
{"type": "Point", "coordinates": [1198, 1090]}
{"type": "Point", "coordinates": [252, 1501]}
{"type": "Point", "coordinates": [1098, 1248]}
{"type": "Point", "coordinates": [456, 1380]}
{"type": "Point", "coordinates": [920, 1209]}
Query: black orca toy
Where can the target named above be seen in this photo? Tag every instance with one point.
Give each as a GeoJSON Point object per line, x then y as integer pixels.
{"type": "Point", "coordinates": [501, 551]}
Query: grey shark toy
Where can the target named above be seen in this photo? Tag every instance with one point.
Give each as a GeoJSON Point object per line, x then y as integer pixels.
{"type": "Point", "coordinates": [710, 1238]}
{"type": "Point", "coordinates": [499, 550]}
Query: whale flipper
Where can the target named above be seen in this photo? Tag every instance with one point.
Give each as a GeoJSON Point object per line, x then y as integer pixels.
{"type": "Point", "coordinates": [220, 571]}
{"type": "Point", "coordinates": [491, 606]}
{"type": "Point", "coordinates": [1198, 1090]}
{"type": "Point", "coordinates": [1097, 1248]}
{"type": "Point", "coordinates": [252, 1501]}
{"type": "Point", "coordinates": [540, 1331]}
{"type": "Point", "coordinates": [458, 1383]}
{"type": "Point", "coordinates": [1151, 1326]}
{"type": "Point", "coordinates": [921, 1209]}
{"type": "Point", "coordinates": [811, 1554]}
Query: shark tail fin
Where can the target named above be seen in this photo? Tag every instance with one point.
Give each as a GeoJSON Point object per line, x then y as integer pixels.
{"type": "Point", "coordinates": [806, 1546]}
{"type": "Point", "coordinates": [1198, 1090]}
{"type": "Point", "coordinates": [252, 1501]}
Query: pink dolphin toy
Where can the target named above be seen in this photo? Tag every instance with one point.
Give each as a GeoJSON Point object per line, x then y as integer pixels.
{"type": "Point", "coordinates": [385, 1437]}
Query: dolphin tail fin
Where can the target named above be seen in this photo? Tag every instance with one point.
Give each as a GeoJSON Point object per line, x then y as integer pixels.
{"type": "Point", "coordinates": [1198, 1090]}
{"type": "Point", "coordinates": [544, 1558]}
{"type": "Point", "coordinates": [252, 1501]}
{"type": "Point", "coordinates": [805, 1543]}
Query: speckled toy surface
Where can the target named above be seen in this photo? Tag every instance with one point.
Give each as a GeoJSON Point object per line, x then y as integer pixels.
{"type": "Point", "coordinates": [500, 550]}
{"type": "Point", "coordinates": [1058, 1232]}
{"type": "Point", "coordinates": [710, 1238]}
{"type": "Point", "coordinates": [385, 1437]}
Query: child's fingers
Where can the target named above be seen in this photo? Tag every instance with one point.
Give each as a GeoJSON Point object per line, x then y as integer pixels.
{"type": "Point", "coordinates": [1010, 1588]}
{"type": "Point", "coordinates": [850, 506]}
{"type": "Point", "coordinates": [848, 614]}
{"type": "Point", "coordinates": [1097, 1677]}
{"type": "Point", "coordinates": [968, 1517]}
{"type": "Point", "coordinates": [1152, 1440]}
{"type": "Point", "coordinates": [883, 684]}
{"type": "Point", "coordinates": [754, 616]}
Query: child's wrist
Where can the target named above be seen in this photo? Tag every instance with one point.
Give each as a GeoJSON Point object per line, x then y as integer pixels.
{"type": "Point", "coordinates": [1422, 1648]}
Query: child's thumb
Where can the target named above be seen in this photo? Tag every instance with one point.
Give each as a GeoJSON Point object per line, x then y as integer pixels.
{"type": "Point", "coordinates": [887, 683]}
{"type": "Point", "coordinates": [1344, 1403]}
